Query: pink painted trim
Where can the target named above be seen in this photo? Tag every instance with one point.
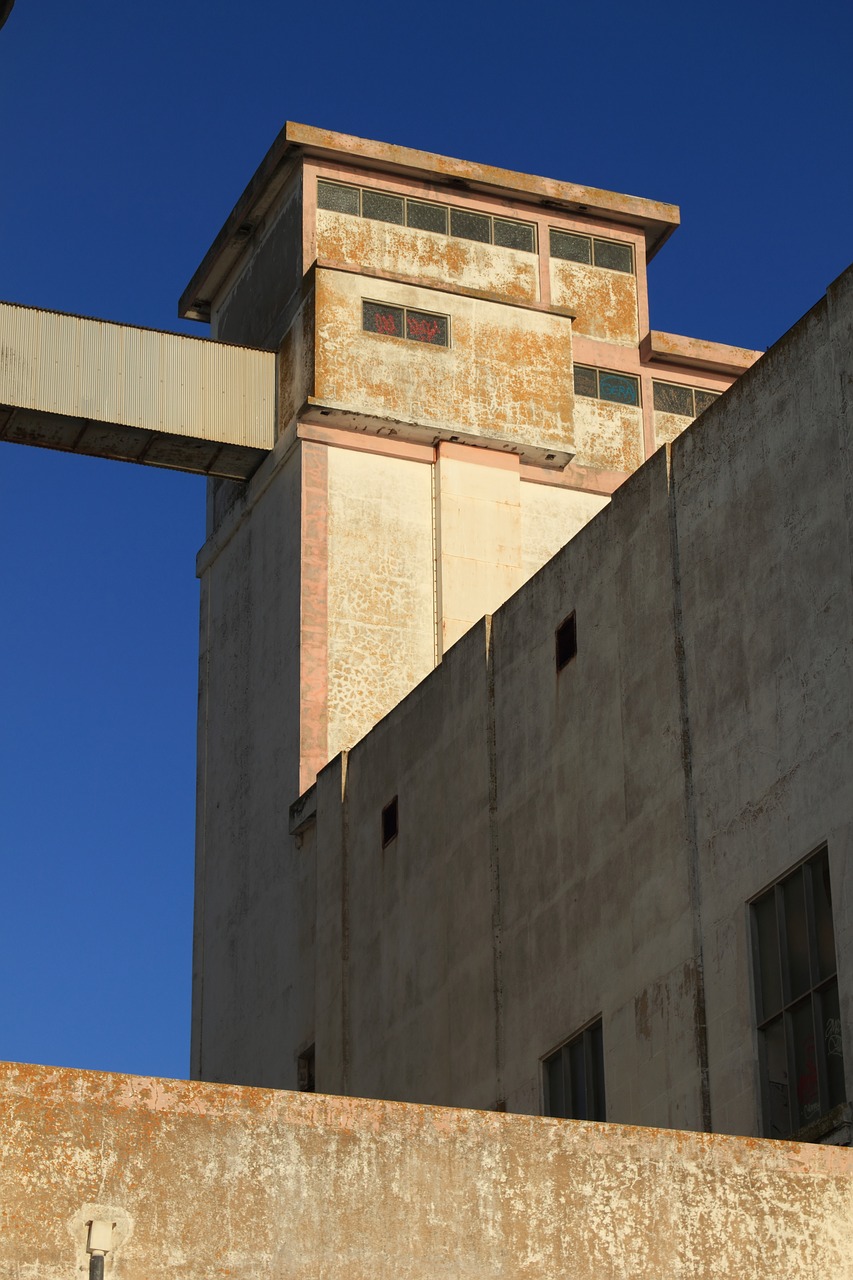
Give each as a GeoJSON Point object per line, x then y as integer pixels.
{"type": "Point", "coordinates": [309, 220]}
{"type": "Point", "coordinates": [314, 653]}
{"type": "Point", "coordinates": [574, 476]}
{"type": "Point", "coordinates": [342, 438]}
{"type": "Point", "coordinates": [477, 457]}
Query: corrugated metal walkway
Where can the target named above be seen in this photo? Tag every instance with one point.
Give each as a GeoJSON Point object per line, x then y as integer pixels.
{"type": "Point", "coordinates": [139, 395]}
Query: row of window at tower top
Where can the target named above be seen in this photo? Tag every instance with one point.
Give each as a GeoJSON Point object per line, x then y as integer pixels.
{"type": "Point", "coordinates": [510, 233]}
{"type": "Point", "coordinates": [468, 224]}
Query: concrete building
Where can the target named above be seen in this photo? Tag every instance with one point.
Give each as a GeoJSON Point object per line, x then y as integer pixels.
{"type": "Point", "coordinates": [579, 836]}
{"type": "Point", "coordinates": [617, 883]}
{"type": "Point", "coordinates": [466, 374]}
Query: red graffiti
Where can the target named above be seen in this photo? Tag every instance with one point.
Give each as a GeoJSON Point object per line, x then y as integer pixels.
{"type": "Point", "coordinates": [386, 323]}
{"type": "Point", "coordinates": [422, 330]}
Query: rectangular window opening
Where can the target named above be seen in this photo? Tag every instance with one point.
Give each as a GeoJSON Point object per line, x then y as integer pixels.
{"type": "Point", "coordinates": [796, 996]}
{"type": "Point", "coordinates": [601, 384]}
{"type": "Point", "coordinates": [573, 1077]}
{"type": "Point", "coordinates": [305, 1071]}
{"type": "Point", "coordinates": [566, 637]}
{"type": "Point", "coordinates": [405, 322]}
{"type": "Point", "coordinates": [389, 822]}
{"type": "Point", "coordinates": [427, 215]}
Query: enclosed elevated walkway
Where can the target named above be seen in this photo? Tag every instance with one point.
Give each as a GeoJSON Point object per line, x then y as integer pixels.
{"type": "Point", "coordinates": [138, 395]}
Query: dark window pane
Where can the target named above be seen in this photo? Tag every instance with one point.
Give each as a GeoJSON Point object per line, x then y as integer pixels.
{"type": "Point", "coordinates": [571, 248]}
{"type": "Point", "coordinates": [805, 1062]}
{"type": "Point", "coordinates": [331, 195]}
{"type": "Point", "coordinates": [566, 637]}
{"type": "Point", "coordinates": [555, 1102]}
{"type": "Point", "coordinates": [515, 235]}
{"type": "Point", "coordinates": [672, 399]}
{"type": "Point", "coordinates": [422, 326]}
{"type": "Point", "coordinates": [382, 207]}
{"type": "Point", "coordinates": [703, 399]}
{"type": "Point", "coordinates": [776, 1079]}
{"type": "Point", "coordinates": [586, 381]}
{"type": "Point", "coordinates": [767, 944]}
{"type": "Point", "coordinates": [377, 317]}
{"type": "Point", "coordinates": [598, 1107]}
{"type": "Point", "coordinates": [796, 949]}
{"type": "Point", "coordinates": [618, 387]}
{"type": "Point", "coordinates": [614, 255]}
{"type": "Point", "coordinates": [825, 934]}
{"type": "Point", "coordinates": [577, 1067]}
{"type": "Point", "coordinates": [426, 217]}
{"type": "Point", "coordinates": [830, 1015]}
{"type": "Point", "coordinates": [470, 226]}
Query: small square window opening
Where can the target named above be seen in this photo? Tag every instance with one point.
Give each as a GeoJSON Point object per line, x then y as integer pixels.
{"type": "Point", "coordinates": [389, 822]}
{"type": "Point", "coordinates": [566, 638]}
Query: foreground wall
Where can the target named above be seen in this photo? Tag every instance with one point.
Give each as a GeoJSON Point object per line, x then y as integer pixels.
{"type": "Point", "coordinates": [582, 845]}
{"type": "Point", "coordinates": [205, 1181]}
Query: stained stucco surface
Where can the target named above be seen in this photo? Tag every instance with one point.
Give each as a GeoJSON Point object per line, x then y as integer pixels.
{"type": "Point", "coordinates": [406, 252]}
{"type": "Point", "coordinates": [604, 302]}
{"type": "Point", "coordinates": [507, 372]}
{"type": "Point", "coordinates": [381, 612]}
{"type": "Point", "coordinates": [209, 1181]}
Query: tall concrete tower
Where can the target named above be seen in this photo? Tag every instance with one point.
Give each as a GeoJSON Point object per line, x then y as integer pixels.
{"type": "Point", "coordinates": [465, 373]}
{"type": "Point", "coordinates": [425, 376]}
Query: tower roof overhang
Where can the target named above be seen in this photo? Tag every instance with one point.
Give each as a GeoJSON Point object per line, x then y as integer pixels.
{"type": "Point", "coordinates": [655, 219]}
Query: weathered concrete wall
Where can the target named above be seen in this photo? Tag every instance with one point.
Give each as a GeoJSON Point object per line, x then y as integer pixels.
{"type": "Point", "coordinates": [254, 901]}
{"type": "Point", "coordinates": [381, 594]}
{"type": "Point", "coordinates": [590, 821]}
{"type": "Point", "coordinates": [763, 506]}
{"type": "Point", "coordinates": [614, 819]}
{"type": "Point", "coordinates": [478, 536]}
{"type": "Point", "coordinates": [252, 307]}
{"type": "Point", "coordinates": [604, 302]}
{"type": "Point", "coordinates": [608, 436]}
{"type": "Point", "coordinates": [550, 516]}
{"type": "Point", "coordinates": [209, 1181]}
{"type": "Point", "coordinates": [516, 911]}
{"type": "Point", "coordinates": [507, 373]}
{"type": "Point", "coordinates": [407, 253]}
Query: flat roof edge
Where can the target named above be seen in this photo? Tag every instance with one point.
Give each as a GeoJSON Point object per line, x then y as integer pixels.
{"type": "Point", "coordinates": [674, 348]}
{"type": "Point", "coordinates": [658, 219]}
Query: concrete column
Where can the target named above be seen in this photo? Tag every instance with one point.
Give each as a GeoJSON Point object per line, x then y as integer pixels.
{"type": "Point", "coordinates": [477, 534]}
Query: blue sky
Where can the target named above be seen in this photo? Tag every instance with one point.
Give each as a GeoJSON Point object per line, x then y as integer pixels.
{"type": "Point", "coordinates": [128, 131]}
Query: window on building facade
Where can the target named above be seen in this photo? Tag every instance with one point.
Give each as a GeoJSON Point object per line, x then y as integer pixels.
{"type": "Point", "coordinates": [614, 255]}
{"type": "Point", "coordinates": [305, 1071]}
{"type": "Point", "coordinates": [566, 641]}
{"type": "Point", "coordinates": [796, 998]}
{"type": "Point", "coordinates": [405, 322]}
{"type": "Point", "coordinates": [573, 1077]}
{"type": "Point", "coordinates": [599, 384]}
{"type": "Point", "coordinates": [669, 397]}
{"type": "Point", "coordinates": [425, 215]}
{"type": "Point", "coordinates": [390, 822]}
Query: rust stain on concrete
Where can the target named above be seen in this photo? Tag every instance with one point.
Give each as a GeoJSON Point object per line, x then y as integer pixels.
{"type": "Point", "coordinates": [604, 302]}
{"type": "Point", "coordinates": [222, 1181]}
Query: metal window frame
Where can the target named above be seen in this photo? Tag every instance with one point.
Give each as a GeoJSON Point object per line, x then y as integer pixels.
{"type": "Point", "coordinates": [625, 244]}
{"type": "Point", "coordinates": [664, 382]}
{"type": "Point", "coordinates": [593, 240]}
{"type": "Point", "coordinates": [815, 993]}
{"type": "Point", "coordinates": [585, 1038]}
{"type": "Point", "coordinates": [616, 373]}
{"type": "Point", "coordinates": [404, 337]}
{"type": "Point", "coordinates": [438, 204]}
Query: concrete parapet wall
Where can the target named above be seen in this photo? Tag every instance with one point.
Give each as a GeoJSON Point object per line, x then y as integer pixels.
{"type": "Point", "coordinates": [206, 1181]}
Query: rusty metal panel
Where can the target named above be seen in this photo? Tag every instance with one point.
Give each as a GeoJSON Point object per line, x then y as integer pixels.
{"type": "Point", "coordinates": [142, 378]}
